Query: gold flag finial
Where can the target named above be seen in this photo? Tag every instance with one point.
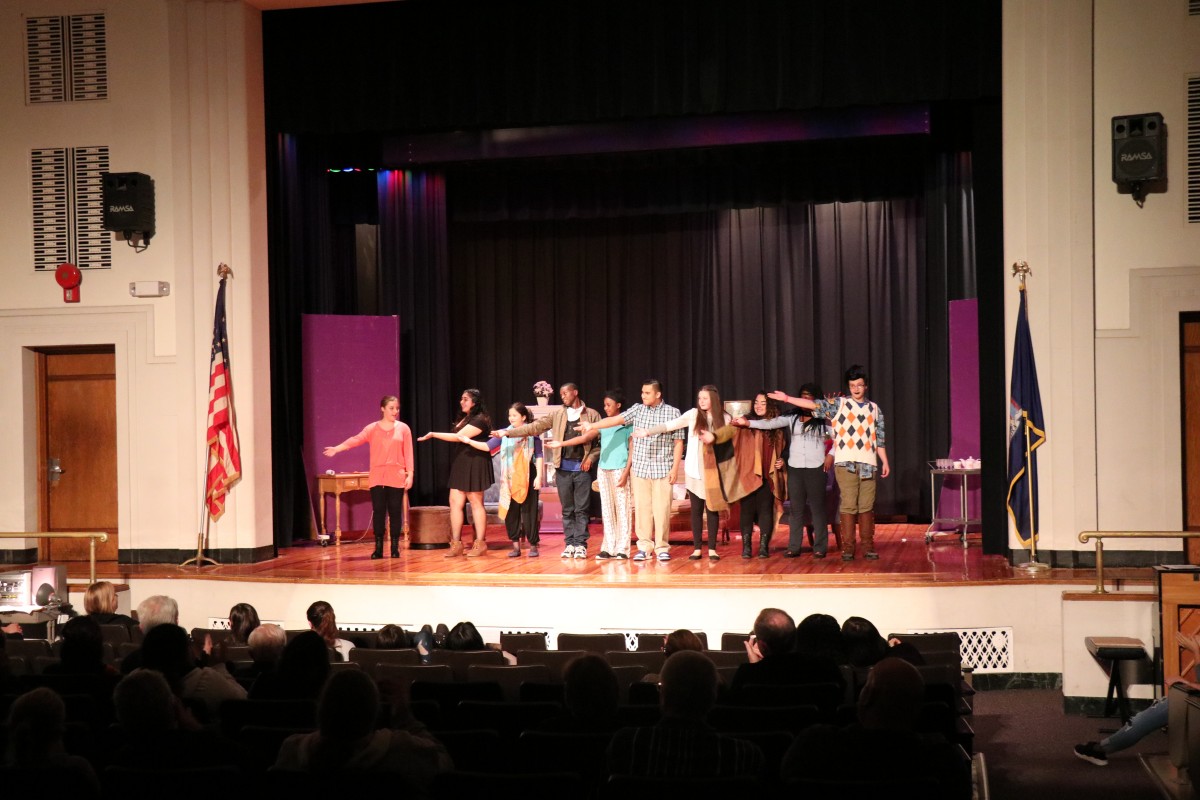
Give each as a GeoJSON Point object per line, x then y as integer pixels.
{"type": "Point", "coordinates": [1021, 269]}
{"type": "Point", "coordinates": [223, 271]}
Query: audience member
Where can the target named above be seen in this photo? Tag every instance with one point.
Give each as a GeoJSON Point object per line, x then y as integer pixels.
{"type": "Point", "coordinates": [865, 646]}
{"type": "Point", "coordinates": [884, 744]}
{"type": "Point", "coordinates": [773, 660]}
{"type": "Point", "coordinates": [100, 603]}
{"type": "Point", "coordinates": [673, 642]}
{"type": "Point", "coordinates": [166, 649]}
{"type": "Point", "coordinates": [37, 721]}
{"type": "Point", "coordinates": [155, 729]}
{"type": "Point", "coordinates": [243, 619]}
{"type": "Point", "coordinates": [820, 636]}
{"type": "Point", "coordinates": [324, 622]}
{"type": "Point", "coordinates": [391, 637]}
{"type": "Point", "coordinates": [591, 696]}
{"type": "Point", "coordinates": [82, 650]}
{"type": "Point", "coordinates": [154, 610]}
{"type": "Point", "coordinates": [465, 636]}
{"type": "Point", "coordinates": [303, 670]}
{"type": "Point", "coordinates": [266, 643]}
{"type": "Point", "coordinates": [682, 745]}
{"type": "Point", "coordinates": [347, 739]}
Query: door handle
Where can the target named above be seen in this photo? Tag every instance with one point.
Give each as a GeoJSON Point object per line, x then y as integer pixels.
{"type": "Point", "coordinates": [55, 469]}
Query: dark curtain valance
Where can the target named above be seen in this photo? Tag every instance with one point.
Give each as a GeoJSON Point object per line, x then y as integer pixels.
{"type": "Point", "coordinates": [440, 65]}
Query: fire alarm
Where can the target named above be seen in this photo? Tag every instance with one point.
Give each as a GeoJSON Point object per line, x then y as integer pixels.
{"type": "Point", "coordinates": [69, 277]}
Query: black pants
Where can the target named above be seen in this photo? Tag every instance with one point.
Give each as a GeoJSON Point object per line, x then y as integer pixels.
{"type": "Point", "coordinates": [714, 522]}
{"type": "Point", "coordinates": [387, 502]}
{"type": "Point", "coordinates": [758, 507]}
{"type": "Point", "coordinates": [806, 486]}
{"type": "Point", "coordinates": [524, 515]}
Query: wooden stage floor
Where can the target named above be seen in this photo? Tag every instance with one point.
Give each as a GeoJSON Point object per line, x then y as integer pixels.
{"type": "Point", "coordinates": [905, 560]}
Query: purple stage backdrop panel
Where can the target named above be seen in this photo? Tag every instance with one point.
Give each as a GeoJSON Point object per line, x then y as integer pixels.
{"type": "Point", "coordinates": [350, 362]}
{"type": "Point", "coordinates": [964, 405]}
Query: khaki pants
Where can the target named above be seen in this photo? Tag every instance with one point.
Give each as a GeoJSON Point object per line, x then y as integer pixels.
{"type": "Point", "coordinates": [858, 495]}
{"type": "Point", "coordinates": [652, 512]}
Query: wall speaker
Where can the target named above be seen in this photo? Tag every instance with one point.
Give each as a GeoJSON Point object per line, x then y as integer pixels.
{"type": "Point", "coordinates": [129, 203]}
{"type": "Point", "coordinates": [1139, 148]}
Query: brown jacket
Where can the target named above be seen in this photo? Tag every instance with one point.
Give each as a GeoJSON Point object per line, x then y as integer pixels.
{"type": "Point", "coordinates": [557, 420]}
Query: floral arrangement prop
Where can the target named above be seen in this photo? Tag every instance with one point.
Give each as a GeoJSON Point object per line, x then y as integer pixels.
{"type": "Point", "coordinates": [542, 391]}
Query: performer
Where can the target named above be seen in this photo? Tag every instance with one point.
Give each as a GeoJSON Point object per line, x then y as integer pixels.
{"type": "Point", "coordinates": [391, 472]}
{"type": "Point", "coordinates": [572, 464]}
{"type": "Point", "coordinates": [616, 497]}
{"type": "Point", "coordinates": [858, 453]}
{"type": "Point", "coordinates": [520, 480]}
{"type": "Point", "coordinates": [759, 506]}
{"type": "Point", "coordinates": [654, 466]}
{"type": "Point", "coordinates": [471, 472]}
{"type": "Point", "coordinates": [808, 462]}
{"type": "Point", "coordinates": [702, 423]}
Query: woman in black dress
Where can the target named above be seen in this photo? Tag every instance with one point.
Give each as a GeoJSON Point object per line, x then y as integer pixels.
{"type": "Point", "coordinates": [471, 472]}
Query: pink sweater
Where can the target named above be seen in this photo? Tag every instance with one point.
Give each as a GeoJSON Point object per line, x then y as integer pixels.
{"type": "Point", "coordinates": [391, 453]}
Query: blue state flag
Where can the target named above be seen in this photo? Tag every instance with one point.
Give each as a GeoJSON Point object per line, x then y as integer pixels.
{"type": "Point", "coordinates": [1024, 414]}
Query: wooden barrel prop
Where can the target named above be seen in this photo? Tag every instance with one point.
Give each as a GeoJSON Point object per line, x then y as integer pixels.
{"type": "Point", "coordinates": [429, 528]}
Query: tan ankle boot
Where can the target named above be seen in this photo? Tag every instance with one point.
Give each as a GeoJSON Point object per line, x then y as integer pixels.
{"type": "Point", "coordinates": [479, 548]}
{"type": "Point", "coordinates": [456, 549]}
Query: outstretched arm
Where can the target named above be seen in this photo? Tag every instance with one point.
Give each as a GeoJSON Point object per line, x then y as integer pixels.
{"type": "Point", "coordinates": [607, 422]}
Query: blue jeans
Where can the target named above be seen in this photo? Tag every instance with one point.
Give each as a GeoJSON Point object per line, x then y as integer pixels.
{"type": "Point", "coordinates": [575, 495]}
{"type": "Point", "coordinates": [1140, 726]}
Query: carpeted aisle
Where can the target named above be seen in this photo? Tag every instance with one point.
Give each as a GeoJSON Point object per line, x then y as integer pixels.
{"type": "Point", "coordinates": [1028, 740]}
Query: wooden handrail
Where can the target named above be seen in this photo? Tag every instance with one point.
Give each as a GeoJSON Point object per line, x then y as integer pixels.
{"type": "Point", "coordinates": [1100, 536]}
{"type": "Point", "coordinates": [103, 537]}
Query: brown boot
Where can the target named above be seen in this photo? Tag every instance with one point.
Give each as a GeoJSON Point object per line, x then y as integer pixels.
{"type": "Point", "coordinates": [456, 549]}
{"type": "Point", "coordinates": [478, 548]}
{"type": "Point", "coordinates": [848, 522]}
{"type": "Point", "coordinates": [866, 530]}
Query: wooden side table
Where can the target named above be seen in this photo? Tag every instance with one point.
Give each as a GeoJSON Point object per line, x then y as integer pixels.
{"type": "Point", "coordinates": [338, 483]}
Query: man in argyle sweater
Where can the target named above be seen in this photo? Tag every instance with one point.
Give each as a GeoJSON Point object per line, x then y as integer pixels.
{"type": "Point", "coordinates": [858, 456]}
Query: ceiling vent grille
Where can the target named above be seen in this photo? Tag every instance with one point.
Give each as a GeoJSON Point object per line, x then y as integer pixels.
{"type": "Point", "coordinates": [68, 209]}
{"type": "Point", "coordinates": [66, 59]}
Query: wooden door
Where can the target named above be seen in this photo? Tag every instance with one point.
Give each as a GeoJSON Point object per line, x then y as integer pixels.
{"type": "Point", "coordinates": [1189, 356]}
{"type": "Point", "coordinates": [78, 428]}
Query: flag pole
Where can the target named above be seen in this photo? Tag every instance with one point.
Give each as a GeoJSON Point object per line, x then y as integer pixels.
{"type": "Point", "coordinates": [1033, 566]}
{"type": "Point", "coordinates": [200, 559]}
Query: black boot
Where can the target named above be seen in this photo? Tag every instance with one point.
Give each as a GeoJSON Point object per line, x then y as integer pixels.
{"type": "Point", "coordinates": [747, 544]}
{"type": "Point", "coordinates": [378, 546]}
{"type": "Point", "coordinates": [764, 544]}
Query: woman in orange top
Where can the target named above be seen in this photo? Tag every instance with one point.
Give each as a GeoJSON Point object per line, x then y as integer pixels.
{"type": "Point", "coordinates": [391, 470]}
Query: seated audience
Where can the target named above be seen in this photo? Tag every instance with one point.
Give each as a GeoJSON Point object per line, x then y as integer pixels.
{"type": "Point", "coordinates": [865, 646]}
{"type": "Point", "coordinates": [673, 642]}
{"type": "Point", "coordinates": [591, 695]}
{"type": "Point", "coordinates": [154, 610]}
{"type": "Point", "coordinates": [682, 745]}
{"type": "Point", "coordinates": [773, 660]}
{"type": "Point", "coordinates": [303, 670]}
{"type": "Point", "coordinates": [155, 729]}
{"type": "Point", "coordinates": [167, 650]}
{"type": "Point", "coordinates": [100, 603]}
{"type": "Point", "coordinates": [347, 739]}
{"type": "Point", "coordinates": [820, 636]}
{"type": "Point", "coordinates": [82, 650]}
{"type": "Point", "coordinates": [266, 643]}
{"type": "Point", "coordinates": [322, 620]}
{"type": "Point", "coordinates": [884, 744]}
{"type": "Point", "coordinates": [243, 619]}
{"type": "Point", "coordinates": [465, 636]}
{"type": "Point", "coordinates": [391, 637]}
{"type": "Point", "coordinates": [37, 721]}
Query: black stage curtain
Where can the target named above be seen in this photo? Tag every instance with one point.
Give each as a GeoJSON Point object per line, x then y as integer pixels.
{"type": "Point", "coordinates": [742, 298]}
{"type": "Point", "coordinates": [436, 65]}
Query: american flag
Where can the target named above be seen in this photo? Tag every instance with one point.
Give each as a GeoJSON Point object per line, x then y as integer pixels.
{"type": "Point", "coordinates": [224, 461]}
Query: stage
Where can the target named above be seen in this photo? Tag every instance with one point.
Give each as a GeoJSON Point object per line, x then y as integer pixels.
{"type": "Point", "coordinates": [1017, 624]}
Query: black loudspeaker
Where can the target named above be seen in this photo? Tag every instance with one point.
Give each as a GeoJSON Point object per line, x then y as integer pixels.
{"type": "Point", "coordinates": [129, 203]}
{"type": "Point", "coordinates": [1139, 148]}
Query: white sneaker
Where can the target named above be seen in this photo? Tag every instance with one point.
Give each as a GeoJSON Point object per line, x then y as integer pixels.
{"type": "Point", "coordinates": [568, 551]}
{"type": "Point", "coordinates": [580, 551]}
